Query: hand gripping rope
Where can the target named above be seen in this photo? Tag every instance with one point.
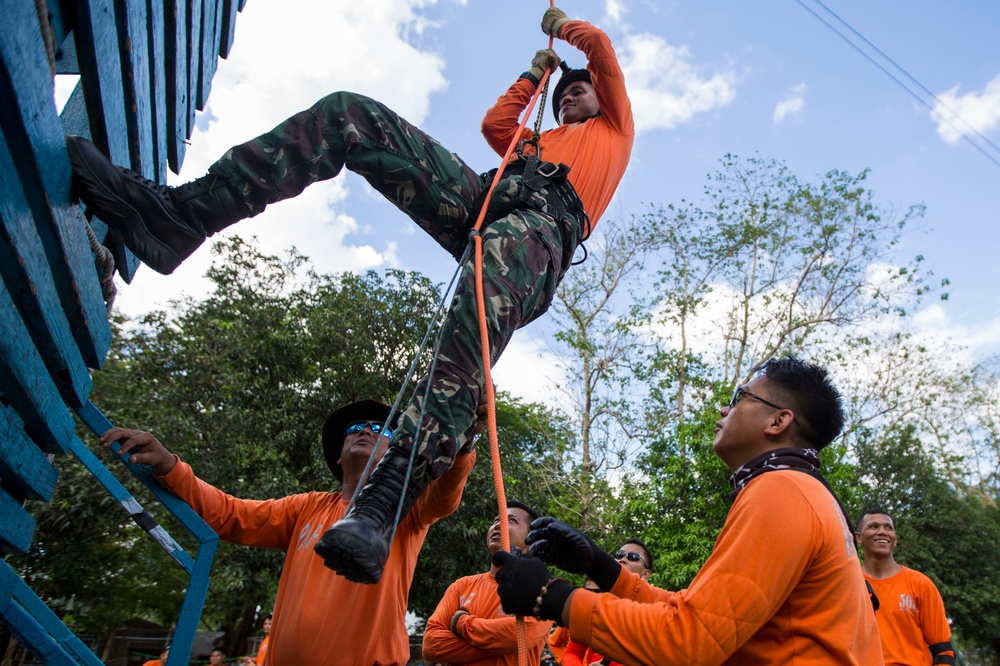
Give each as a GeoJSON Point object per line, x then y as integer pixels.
{"type": "Point", "coordinates": [477, 247]}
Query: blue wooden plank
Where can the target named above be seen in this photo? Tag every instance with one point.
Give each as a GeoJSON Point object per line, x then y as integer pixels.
{"type": "Point", "coordinates": [38, 628]}
{"type": "Point", "coordinates": [34, 135]}
{"type": "Point", "coordinates": [24, 267]}
{"type": "Point", "coordinates": [211, 21]}
{"type": "Point", "coordinates": [96, 36]}
{"type": "Point", "coordinates": [194, 27]}
{"type": "Point", "coordinates": [23, 466]}
{"type": "Point", "coordinates": [243, 3]}
{"type": "Point", "coordinates": [158, 86]}
{"type": "Point", "coordinates": [197, 589]}
{"type": "Point", "coordinates": [99, 424]}
{"type": "Point", "coordinates": [26, 385]}
{"type": "Point", "coordinates": [128, 503]}
{"type": "Point", "coordinates": [178, 92]}
{"type": "Point", "coordinates": [228, 27]}
{"type": "Point", "coordinates": [133, 45]}
{"type": "Point", "coordinates": [16, 526]}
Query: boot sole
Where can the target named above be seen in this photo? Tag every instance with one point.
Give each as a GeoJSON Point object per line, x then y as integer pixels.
{"type": "Point", "coordinates": [359, 555]}
{"type": "Point", "coordinates": [93, 189]}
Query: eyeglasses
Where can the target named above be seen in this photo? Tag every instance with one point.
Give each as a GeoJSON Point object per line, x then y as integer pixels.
{"type": "Point", "coordinates": [631, 556]}
{"type": "Point", "coordinates": [376, 427]}
{"type": "Point", "coordinates": [740, 392]}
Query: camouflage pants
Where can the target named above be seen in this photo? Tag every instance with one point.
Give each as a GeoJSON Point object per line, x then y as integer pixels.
{"type": "Point", "coordinates": [525, 252]}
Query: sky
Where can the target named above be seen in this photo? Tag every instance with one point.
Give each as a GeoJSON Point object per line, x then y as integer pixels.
{"type": "Point", "coordinates": [705, 78]}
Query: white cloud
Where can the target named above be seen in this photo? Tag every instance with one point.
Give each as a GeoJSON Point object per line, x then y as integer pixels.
{"type": "Point", "coordinates": [791, 104]}
{"type": "Point", "coordinates": [614, 12]}
{"type": "Point", "coordinates": [264, 81]}
{"type": "Point", "coordinates": [666, 89]}
{"type": "Point", "coordinates": [980, 110]}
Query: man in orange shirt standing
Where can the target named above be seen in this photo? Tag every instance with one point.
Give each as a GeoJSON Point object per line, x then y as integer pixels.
{"type": "Point", "coordinates": [783, 584]}
{"type": "Point", "coordinates": [262, 650]}
{"type": "Point", "coordinates": [468, 626]}
{"type": "Point", "coordinates": [911, 617]}
{"type": "Point", "coordinates": [320, 618]}
{"type": "Point", "coordinates": [546, 203]}
{"type": "Point", "coordinates": [162, 660]}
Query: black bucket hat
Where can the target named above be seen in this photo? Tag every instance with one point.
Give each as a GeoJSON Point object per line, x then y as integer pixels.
{"type": "Point", "coordinates": [568, 77]}
{"type": "Point", "coordinates": [337, 422]}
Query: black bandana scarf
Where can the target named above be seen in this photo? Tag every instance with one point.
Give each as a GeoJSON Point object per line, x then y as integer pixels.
{"type": "Point", "coordinates": [806, 460]}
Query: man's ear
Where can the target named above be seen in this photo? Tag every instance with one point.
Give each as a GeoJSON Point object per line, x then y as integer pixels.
{"type": "Point", "coordinates": [780, 422]}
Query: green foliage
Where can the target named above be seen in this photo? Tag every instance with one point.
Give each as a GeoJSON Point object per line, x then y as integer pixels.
{"type": "Point", "coordinates": [239, 386]}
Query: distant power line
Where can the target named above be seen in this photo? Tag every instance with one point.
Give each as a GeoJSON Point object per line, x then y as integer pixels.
{"type": "Point", "coordinates": [907, 81]}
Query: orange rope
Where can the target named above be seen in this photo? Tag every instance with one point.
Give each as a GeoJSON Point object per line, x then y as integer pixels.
{"type": "Point", "coordinates": [491, 415]}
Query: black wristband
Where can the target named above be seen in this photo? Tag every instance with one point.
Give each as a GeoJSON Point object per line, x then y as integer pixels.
{"type": "Point", "coordinates": [553, 601]}
{"type": "Point", "coordinates": [604, 570]}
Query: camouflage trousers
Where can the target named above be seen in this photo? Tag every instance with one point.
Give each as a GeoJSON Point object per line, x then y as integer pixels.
{"type": "Point", "coordinates": [525, 252]}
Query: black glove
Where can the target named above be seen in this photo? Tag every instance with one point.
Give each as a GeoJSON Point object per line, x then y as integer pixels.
{"type": "Point", "coordinates": [571, 550]}
{"type": "Point", "coordinates": [519, 583]}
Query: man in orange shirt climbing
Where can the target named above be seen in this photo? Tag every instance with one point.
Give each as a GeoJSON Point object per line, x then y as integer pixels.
{"type": "Point", "coordinates": [320, 618]}
{"type": "Point", "coordinates": [911, 618]}
{"type": "Point", "coordinates": [783, 584]}
{"type": "Point", "coordinates": [546, 203]}
{"type": "Point", "coordinates": [468, 626]}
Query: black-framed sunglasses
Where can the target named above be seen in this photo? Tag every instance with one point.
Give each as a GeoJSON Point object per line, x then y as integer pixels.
{"type": "Point", "coordinates": [376, 426]}
{"type": "Point", "coordinates": [631, 556]}
{"type": "Point", "coordinates": [740, 392]}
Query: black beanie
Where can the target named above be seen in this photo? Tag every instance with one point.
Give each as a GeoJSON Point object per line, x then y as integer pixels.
{"type": "Point", "coordinates": [568, 77]}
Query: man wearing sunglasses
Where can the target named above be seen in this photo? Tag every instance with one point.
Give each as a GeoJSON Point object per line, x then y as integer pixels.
{"type": "Point", "coordinates": [783, 584]}
{"type": "Point", "coordinates": [635, 556]}
{"type": "Point", "coordinates": [319, 617]}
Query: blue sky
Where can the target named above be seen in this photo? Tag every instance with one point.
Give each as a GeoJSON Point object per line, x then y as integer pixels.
{"type": "Point", "coordinates": [706, 78]}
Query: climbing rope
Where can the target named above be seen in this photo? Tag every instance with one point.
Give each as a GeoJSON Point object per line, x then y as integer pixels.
{"type": "Point", "coordinates": [105, 263]}
{"type": "Point", "coordinates": [541, 93]}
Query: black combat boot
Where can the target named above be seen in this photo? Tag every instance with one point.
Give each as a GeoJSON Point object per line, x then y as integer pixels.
{"type": "Point", "coordinates": [161, 225]}
{"type": "Point", "coordinates": [357, 546]}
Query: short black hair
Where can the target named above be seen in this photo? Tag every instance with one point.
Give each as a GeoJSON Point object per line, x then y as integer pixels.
{"type": "Point", "coordinates": [514, 504]}
{"type": "Point", "coordinates": [808, 388]}
{"type": "Point", "coordinates": [878, 511]}
{"type": "Point", "coordinates": [645, 549]}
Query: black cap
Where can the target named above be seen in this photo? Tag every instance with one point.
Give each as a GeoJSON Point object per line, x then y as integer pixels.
{"type": "Point", "coordinates": [337, 422]}
{"type": "Point", "coordinates": [568, 77]}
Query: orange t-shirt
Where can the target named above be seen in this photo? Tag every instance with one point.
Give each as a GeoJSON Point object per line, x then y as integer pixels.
{"type": "Point", "coordinates": [262, 651]}
{"type": "Point", "coordinates": [597, 150]}
{"type": "Point", "coordinates": [321, 618]}
{"type": "Point", "coordinates": [783, 585]}
{"type": "Point", "coordinates": [486, 636]}
{"type": "Point", "coordinates": [558, 640]}
{"type": "Point", "coordinates": [911, 618]}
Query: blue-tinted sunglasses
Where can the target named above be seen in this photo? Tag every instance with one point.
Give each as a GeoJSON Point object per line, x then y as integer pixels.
{"type": "Point", "coordinates": [376, 427]}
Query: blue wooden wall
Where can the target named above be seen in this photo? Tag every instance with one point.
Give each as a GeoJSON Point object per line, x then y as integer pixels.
{"type": "Point", "coordinates": [145, 67]}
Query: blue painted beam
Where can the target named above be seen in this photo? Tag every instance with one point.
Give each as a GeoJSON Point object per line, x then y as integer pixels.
{"type": "Point", "coordinates": [133, 45]}
{"type": "Point", "coordinates": [34, 135]}
{"type": "Point", "coordinates": [211, 21]}
{"type": "Point", "coordinates": [156, 59]}
{"type": "Point", "coordinates": [16, 526]}
{"type": "Point", "coordinates": [23, 466]}
{"type": "Point", "coordinates": [194, 29]}
{"type": "Point", "coordinates": [26, 385]}
{"type": "Point", "coordinates": [229, 8]}
{"type": "Point", "coordinates": [178, 91]}
{"type": "Point", "coordinates": [35, 626]}
{"type": "Point", "coordinates": [130, 504]}
{"type": "Point", "coordinates": [24, 268]}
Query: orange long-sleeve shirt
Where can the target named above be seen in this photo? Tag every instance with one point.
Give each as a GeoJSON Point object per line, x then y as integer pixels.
{"type": "Point", "coordinates": [783, 586]}
{"type": "Point", "coordinates": [321, 618]}
{"type": "Point", "coordinates": [558, 640]}
{"type": "Point", "coordinates": [911, 618]}
{"type": "Point", "coordinates": [597, 150]}
{"type": "Point", "coordinates": [486, 636]}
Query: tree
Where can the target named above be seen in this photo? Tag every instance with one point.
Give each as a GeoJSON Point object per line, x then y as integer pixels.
{"type": "Point", "coordinates": [239, 385]}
